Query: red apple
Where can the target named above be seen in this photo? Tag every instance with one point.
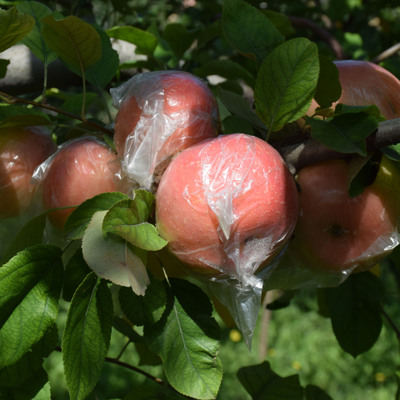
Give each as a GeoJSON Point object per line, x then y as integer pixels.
{"type": "Point", "coordinates": [365, 83]}
{"type": "Point", "coordinates": [81, 169]}
{"type": "Point", "coordinates": [336, 232]}
{"type": "Point", "coordinates": [159, 114]}
{"type": "Point", "coordinates": [227, 205]}
{"type": "Point", "coordinates": [22, 149]}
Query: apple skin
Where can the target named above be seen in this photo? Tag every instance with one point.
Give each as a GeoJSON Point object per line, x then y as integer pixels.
{"type": "Point", "coordinates": [22, 149]}
{"type": "Point", "coordinates": [365, 83]}
{"type": "Point", "coordinates": [339, 233]}
{"type": "Point", "coordinates": [226, 205]}
{"type": "Point", "coordinates": [80, 169]}
{"type": "Point", "coordinates": [160, 113]}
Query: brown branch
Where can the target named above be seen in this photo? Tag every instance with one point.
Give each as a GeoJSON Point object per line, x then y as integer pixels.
{"type": "Point", "coordinates": [311, 151]}
{"type": "Point", "coordinates": [321, 33]}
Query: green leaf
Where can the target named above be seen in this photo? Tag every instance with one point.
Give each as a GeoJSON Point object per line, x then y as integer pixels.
{"type": "Point", "coordinates": [263, 383]}
{"type": "Point", "coordinates": [354, 307]}
{"type": "Point", "coordinates": [226, 68]}
{"type": "Point", "coordinates": [286, 83]}
{"type": "Point", "coordinates": [30, 286]}
{"type": "Point", "coordinates": [145, 41]}
{"type": "Point", "coordinates": [76, 271]}
{"type": "Point", "coordinates": [187, 341]}
{"type": "Point", "coordinates": [313, 392]}
{"type": "Point", "coordinates": [345, 133]}
{"type": "Point", "coordinates": [239, 107]}
{"type": "Point", "coordinates": [104, 70]}
{"type": "Point", "coordinates": [18, 112]}
{"type": "Point", "coordinates": [147, 309]}
{"type": "Point", "coordinates": [3, 67]}
{"type": "Point", "coordinates": [328, 86]}
{"type": "Point", "coordinates": [87, 336]}
{"type": "Point", "coordinates": [15, 374]}
{"type": "Point", "coordinates": [13, 27]}
{"type": "Point", "coordinates": [392, 152]}
{"type": "Point", "coordinates": [179, 38]}
{"type": "Point", "coordinates": [76, 42]}
{"type": "Point", "coordinates": [35, 387]}
{"type": "Point", "coordinates": [151, 390]}
{"type": "Point", "coordinates": [34, 40]}
{"type": "Point", "coordinates": [127, 219]}
{"type": "Point", "coordinates": [79, 219]}
{"type": "Point", "coordinates": [30, 234]}
{"type": "Point", "coordinates": [112, 258]}
{"type": "Point", "coordinates": [281, 22]}
{"type": "Point", "coordinates": [248, 30]}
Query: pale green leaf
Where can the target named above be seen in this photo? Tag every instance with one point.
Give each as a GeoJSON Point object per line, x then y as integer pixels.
{"type": "Point", "coordinates": [113, 259]}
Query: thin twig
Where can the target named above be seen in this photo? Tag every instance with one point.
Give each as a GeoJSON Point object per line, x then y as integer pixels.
{"type": "Point", "coordinates": [391, 322]}
{"type": "Point", "coordinates": [12, 100]}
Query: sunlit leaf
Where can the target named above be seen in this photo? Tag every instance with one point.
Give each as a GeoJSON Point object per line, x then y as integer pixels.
{"type": "Point", "coordinates": [79, 219]}
{"type": "Point", "coordinates": [286, 82]}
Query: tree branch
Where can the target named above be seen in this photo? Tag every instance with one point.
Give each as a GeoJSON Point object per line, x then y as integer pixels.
{"type": "Point", "coordinates": [387, 53]}
{"type": "Point", "coordinates": [321, 33]}
{"type": "Point", "coordinates": [311, 151]}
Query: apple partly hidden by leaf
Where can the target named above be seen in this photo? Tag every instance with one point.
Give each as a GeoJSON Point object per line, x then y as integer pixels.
{"type": "Point", "coordinates": [227, 205]}
{"type": "Point", "coordinates": [22, 150]}
{"type": "Point", "coordinates": [159, 114]}
{"type": "Point", "coordinates": [365, 83]}
{"type": "Point", "coordinates": [81, 169]}
{"type": "Point", "coordinates": [339, 233]}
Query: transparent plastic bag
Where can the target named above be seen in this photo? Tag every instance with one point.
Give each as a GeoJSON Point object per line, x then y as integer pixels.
{"type": "Point", "coordinates": [160, 113]}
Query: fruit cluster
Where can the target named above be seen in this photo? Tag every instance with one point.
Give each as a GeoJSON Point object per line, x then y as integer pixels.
{"type": "Point", "coordinates": [226, 204]}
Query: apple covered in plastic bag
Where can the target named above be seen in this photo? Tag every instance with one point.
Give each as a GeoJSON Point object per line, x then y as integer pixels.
{"type": "Point", "coordinates": [160, 113]}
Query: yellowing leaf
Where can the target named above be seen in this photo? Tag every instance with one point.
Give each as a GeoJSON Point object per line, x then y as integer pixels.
{"type": "Point", "coordinates": [113, 259]}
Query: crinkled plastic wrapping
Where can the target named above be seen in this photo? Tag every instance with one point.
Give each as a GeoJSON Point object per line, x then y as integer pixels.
{"type": "Point", "coordinates": [159, 114]}
{"type": "Point", "coordinates": [366, 228]}
{"type": "Point", "coordinates": [292, 271]}
{"type": "Point", "coordinates": [103, 167]}
{"type": "Point", "coordinates": [237, 190]}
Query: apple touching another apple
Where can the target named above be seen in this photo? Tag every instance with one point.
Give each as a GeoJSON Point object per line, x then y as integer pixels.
{"type": "Point", "coordinates": [160, 113]}
{"type": "Point", "coordinates": [227, 205]}
{"type": "Point", "coordinates": [337, 234]}
{"type": "Point", "coordinates": [22, 149]}
{"type": "Point", "coordinates": [365, 83]}
{"type": "Point", "coordinates": [79, 170]}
